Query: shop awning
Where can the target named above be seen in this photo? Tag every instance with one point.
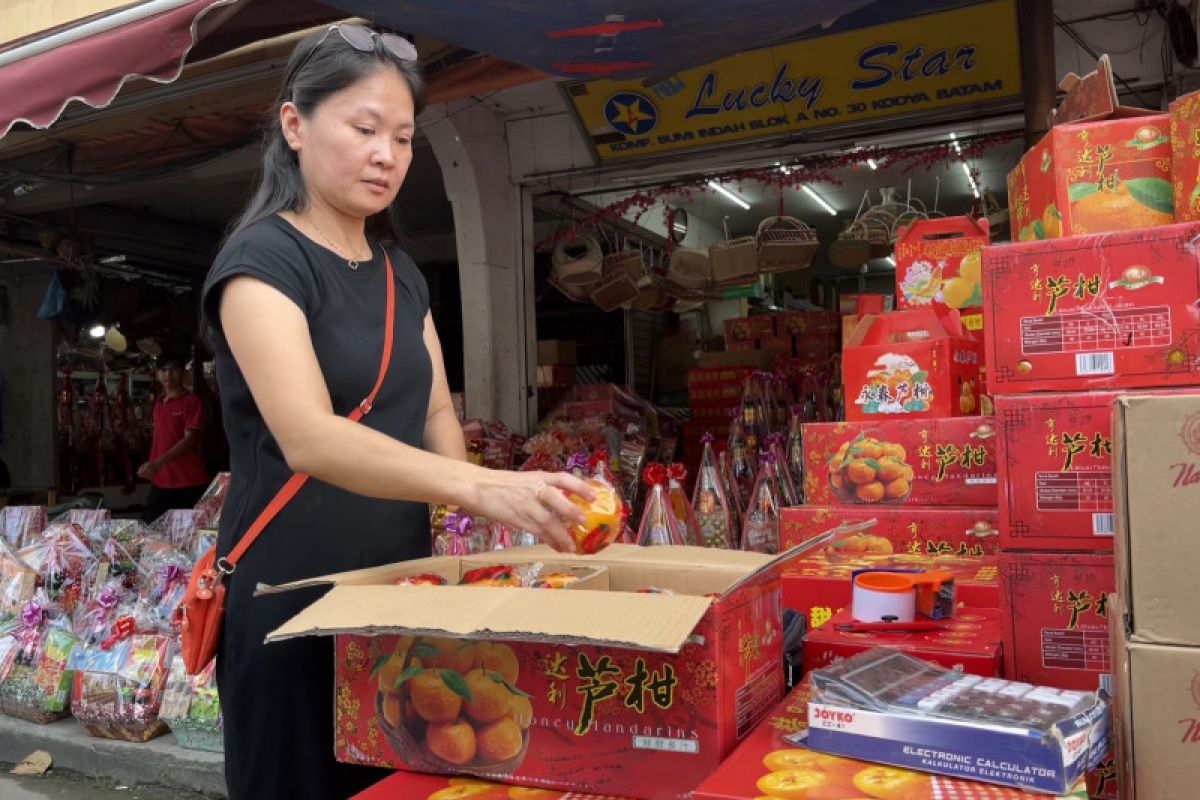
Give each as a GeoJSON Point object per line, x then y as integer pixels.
{"type": "Point", "coordinates": [596, 38]}
{"type": "Point", "coordinates": [91, 61]}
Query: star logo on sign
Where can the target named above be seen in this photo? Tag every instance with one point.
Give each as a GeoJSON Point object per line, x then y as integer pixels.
{"type": "Point", "coordinates": [631, 113]}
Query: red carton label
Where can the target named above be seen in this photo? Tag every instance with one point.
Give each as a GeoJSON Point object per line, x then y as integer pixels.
{"type": "Point", "coordinates": [913, 530]}
{"type": "Point", "coordinates": [1091, 177]}
{"type": "Point", "coordinates": [808, 323]}
{"type": "Point", "coordinates": [1185, 156]}
{"type": "Point", "coordinates": [819, 587]}
{"type": "Point", "coordinates": [563, 717]}
{"type": "Point", "coordinates": [1055, 615]}
{"type": "Point", "coordinates": [970, 642]}
{"type": "Point", "coordinates": [913, 364]}
{"type": "Point", "coordinates": [778, 344]}
{"type": "Point", "coordinates": [938, 265]}
{"type": "Point", "coordinates": [1115, 310]}
{"type": "Point", "coordinates": [949, 461]}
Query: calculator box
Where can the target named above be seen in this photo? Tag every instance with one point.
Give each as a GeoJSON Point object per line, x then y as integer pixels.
{"type": "Point", "coordinates": [1110, 310]}
{"type": "Point", "coordinates": [914, 530]}
{"type": "Point", "coordinates": [970, 642]}
{"type": "Point", "coordinates": [988, 729]}
{"type": "Point", "coordinates": [1055, 609]}
{"type": "Point", "coordinates": [819, 585]}
{"type": "Point", "coordinates": [767, 762]}
{"type": "Point", "coordinates": [881, 464]}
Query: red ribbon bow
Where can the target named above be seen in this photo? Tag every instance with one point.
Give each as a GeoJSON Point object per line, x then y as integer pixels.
{"type": "Point", "coordinates": [598, 457]}
{"type": "Point", "coordinates": [677, 472]}
{"type": "Point", "coordinates": [655, 475]}
{"type": "Point", "coordinates": [122, 629]}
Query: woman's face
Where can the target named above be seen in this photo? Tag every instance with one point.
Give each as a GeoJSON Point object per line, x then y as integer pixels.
{"type": "Point", "coordinates": [356, 146]}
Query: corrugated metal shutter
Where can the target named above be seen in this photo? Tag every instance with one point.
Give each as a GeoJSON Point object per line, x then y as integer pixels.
{"type": "Point", "coordinates": [643, 329]}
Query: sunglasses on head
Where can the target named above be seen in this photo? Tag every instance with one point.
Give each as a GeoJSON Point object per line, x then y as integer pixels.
{"type": "Point", "coordinates": [362, 39]}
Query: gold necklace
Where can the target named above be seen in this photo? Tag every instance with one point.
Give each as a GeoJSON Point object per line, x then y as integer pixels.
{"type": "Point", "coordinates": [352, 263]}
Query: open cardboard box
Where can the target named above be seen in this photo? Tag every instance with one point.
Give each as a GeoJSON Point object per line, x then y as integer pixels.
{"type": "Point", "coordinates": [562, 689]}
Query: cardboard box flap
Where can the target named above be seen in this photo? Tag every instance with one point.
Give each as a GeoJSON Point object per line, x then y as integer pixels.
{"type": "Point", "coordinates": [915, 325]}
{"type": "Point", "coordinates": [1092, 97]}
{"type": "Point", "coordinates": [446, 566]}
{"type": "Point", "coordinates": [658, 622]}
{"type": "Point", "coordinates": [957, 227]}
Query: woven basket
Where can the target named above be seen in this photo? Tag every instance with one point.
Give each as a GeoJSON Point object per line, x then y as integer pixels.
{"type": "Point", "coordinates": [734, 261]}
{"type": "Point", "coordinates": [651, 296]}
{"type": "Point", "coordinates": [35, 714]}
{"type": "Point", "coordinates": [413, 753]}
{"type": "Point", "coordinates": [689, 269]}
{"type": "Point", "coordinates": [580, 294]}
{"type": "Point", "coordinates": [628, 262]}
{"type": "Point", "coordinates": [785, 244]}
{"type": "Point", "coordinates": [851, 249]}
{"type": "Point", "coordinates": [614, 291]}
{"type": "Point", "coordinates": [581, 269]}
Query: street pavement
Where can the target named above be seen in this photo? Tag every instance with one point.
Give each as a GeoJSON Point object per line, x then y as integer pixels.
{"type": "Point", "coordinates": [64, 785]}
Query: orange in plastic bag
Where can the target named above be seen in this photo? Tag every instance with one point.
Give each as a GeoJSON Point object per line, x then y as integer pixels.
{"type": "Point", "coordinates": [602, 519]}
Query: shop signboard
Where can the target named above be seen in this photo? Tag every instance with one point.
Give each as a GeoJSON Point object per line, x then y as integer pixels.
{"type": "Point", "coordinates": [959, 58]}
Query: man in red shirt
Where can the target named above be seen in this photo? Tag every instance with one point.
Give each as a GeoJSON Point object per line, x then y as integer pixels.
{"type": "Point", "coordinates": [176, 467]}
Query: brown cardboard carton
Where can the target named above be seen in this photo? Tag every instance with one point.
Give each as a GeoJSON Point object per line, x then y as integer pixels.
{"type": "Point", "coordinates": [1156, 459]}
{"type": "Point", "coordinates": [551, 352]}
{"type": "Point", "coordinates": [614, 690]}
{"type": "Point", "coordinates": [1156, 718]}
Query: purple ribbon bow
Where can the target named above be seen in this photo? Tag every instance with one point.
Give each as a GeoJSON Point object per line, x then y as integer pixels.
{"type": "Point", "coordinates": [577, 461]}
{"type": "Point", "coordinates": [108, 598]}
{"type": "Point", "coordinates": [110, 549]}
{"type": "Point", "coordinates": [707, 438]}
{"type": "Point", "coordinates": [166, 577]}
{"type": "Point", "coordinates": [32, 614]}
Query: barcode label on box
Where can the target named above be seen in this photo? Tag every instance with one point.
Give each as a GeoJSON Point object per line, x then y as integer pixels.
{"type": "Point", "coordinates": [1103, 524]}
{"type": "Point", "coordinates": [1094, 364]}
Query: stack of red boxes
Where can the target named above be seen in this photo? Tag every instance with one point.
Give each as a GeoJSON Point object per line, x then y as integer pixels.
{"type": "Point", "coordinates": [1070, 325]}
{"type": "Point", "coordinates": [805, 338]}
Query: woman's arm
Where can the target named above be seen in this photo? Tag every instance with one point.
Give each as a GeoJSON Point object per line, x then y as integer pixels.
{"type": "Point", "coordinates": [268, 335]}
{"type": "Point", "coordinates": [443, 432]}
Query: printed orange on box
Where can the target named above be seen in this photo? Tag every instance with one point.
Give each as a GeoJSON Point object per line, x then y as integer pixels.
{"type": "Point", "coordinates": [913, 530]}
{"type": "Point", "coordinates": [1055, 613]}
{"type": "Point", "coordinates": [1185, 156]}
{"type": "Point", "coordinates": [1090, 177]}
{"type": "Point", "coordinates": [949, 461]}
{"type": "Point", "coordinates": [938, 265]}
{"type": "Point", "coordinates": [1114, 310]}
{"type": "Point", "coordinates": [911, 364]}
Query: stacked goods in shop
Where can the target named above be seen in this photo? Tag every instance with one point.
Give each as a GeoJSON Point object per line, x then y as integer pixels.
{"type": "Point", "coordinates": [1154, 625]}
{"type": "Point", "coordinates": [938, 266]}
{"type": "Point", "coordinates": [35, 646]}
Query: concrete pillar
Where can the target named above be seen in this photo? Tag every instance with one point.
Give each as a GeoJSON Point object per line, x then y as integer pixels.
{"type": "Point", "coordinates": [1039, 80]}
{"type": "Point", "coordinates": [493, 223]}
{"type": "Point", "coordinates": [27, 361]}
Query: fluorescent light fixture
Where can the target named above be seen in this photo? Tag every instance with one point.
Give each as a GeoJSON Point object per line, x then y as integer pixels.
{"type": "Point", "coordinates": [808, 190]}
{"type": "Point", "coordinates": [728, 195]}
{"type": "Point", "coordinates": [872, 164]}
{"type": "Point", "coordinates": [96, 331]}
{"type": "Point", "coordinates": [954, 141]}
{"type": "Point", "coordinates": [971, 179]}
{"type": "Point", "coordinates": [891, 260]}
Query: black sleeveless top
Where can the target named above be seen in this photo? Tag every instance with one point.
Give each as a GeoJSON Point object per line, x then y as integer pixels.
{"type": "Point", "coordinates": [323, 529]}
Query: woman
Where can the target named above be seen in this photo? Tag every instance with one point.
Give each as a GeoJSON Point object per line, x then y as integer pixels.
{"type": "Point", "coordinates": [295, 303]}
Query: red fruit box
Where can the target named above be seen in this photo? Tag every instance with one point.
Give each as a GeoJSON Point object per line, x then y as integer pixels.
{"type": "Point", "coordinates": [618, 692]}
{"type": "Point", "coordinates": [1185, 156]}
{"type": "Point", "coordinates": [968, 643]}
{"type": "Point", "coordinates": [1114, 310]}
{"type": "Point", "coordinates": [414, 786]}
{"type": "Point", "coordinates": [745, 328]}
{"type": "Point", "coordinates": [914, 364]}
{"type": "Point", "coordinates": [1090, 177]}
{"type": "Point", "coordinates": [718, 376]}
{"type": "Point", "coordinates": [938, 266]}
{"type": "Point", "coordinates": [933, 462]}
{"type": "Point", "coordinates": [1055, 458]}
{"type": "Point", "coordinates": [736, 345]}
{"type": "Point", "coordinates": [777, 344]}
{"type": "Point", "coordinates": [818, 586]}
{"type": "Point", "coordinates": [770, 765]}
{"type": "Point", "coordinates": [915, 530]}
{"type": "Point", "coordinates": [808, 323]}
{"type": "Point", "coordinates": [1055, 614]}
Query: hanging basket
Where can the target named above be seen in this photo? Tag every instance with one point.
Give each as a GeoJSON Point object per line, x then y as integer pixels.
{"type": "Point", "coordinates": [628, 262]}
{"type": "Point", "coordinates": [614, 291]}
{"type": "Point", "coordinates": [785, 244]}
{"type": "Point", "coordinates": [734, 261]}
{"type": "Point", "coordinates": [578, 269]}
{"type": "Point", "coordinates": [581, 293]}
{"type": "Point", "coordinates": [851, 250]}
{"type": "Point", "coordinates": [689, 269]}
{"type": "Point", "coordinates": [651, 296]}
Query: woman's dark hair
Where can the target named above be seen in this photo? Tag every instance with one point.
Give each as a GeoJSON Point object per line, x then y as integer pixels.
{"type": "Point", "coordinates": [322, 64]}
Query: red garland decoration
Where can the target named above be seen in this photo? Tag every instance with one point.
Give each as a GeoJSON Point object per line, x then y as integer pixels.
{"type": "Point", "coordinates": [655, 475]}
{"type": "Point", "coordinates": [819, 169]}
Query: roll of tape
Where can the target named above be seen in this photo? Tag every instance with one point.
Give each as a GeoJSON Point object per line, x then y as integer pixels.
{"type": "Point", "coordinates": [884, 597]}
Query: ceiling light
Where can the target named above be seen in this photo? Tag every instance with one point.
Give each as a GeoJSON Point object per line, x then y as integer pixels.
{"type": "Point", "coordinates": [971, 179]}
{"type": "Point", "coordinates": [872, 163]}
{"type": "Point", "coordinates": [96, 331]}
{"type": "Point", "coordinates": [728, 195]}
{"type": "Point", "coordinates": [820, 200]}
{"type": "Point", "coordinates": [954, 141]}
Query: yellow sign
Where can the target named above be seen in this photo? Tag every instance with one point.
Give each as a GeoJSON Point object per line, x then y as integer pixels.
{"type": "Point", "coordinates": [962, 57]}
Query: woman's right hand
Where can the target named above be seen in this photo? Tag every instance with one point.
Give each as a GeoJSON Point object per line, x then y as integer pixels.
{"type": "Point", "coordinates": [533, 501]}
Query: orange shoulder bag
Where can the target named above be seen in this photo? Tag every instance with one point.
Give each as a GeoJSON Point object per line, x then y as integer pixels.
{"type": "Point", "coordinates": [202, 610]}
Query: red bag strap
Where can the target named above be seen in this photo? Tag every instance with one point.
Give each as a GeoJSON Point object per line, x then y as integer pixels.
{"type": "Point", "coordinates": [289, 490]}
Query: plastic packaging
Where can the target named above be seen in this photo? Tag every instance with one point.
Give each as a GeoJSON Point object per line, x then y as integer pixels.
{"type": "Point", "coordinates": [213, 501]}
{"type": "Point", "coordinates": [603, 518]}
{"type": "Point", "coordinates": [191, 707]}
{"type": "Point", "coordinates": [19, 525]}
{"type": "Point", "coordinates": [740, 467]}
{"type": "Point", "coordinates": [794, 448]}
{"type": "Point", "coordinates": [659, 524]}
{"type": "Point", "coordinates": [459, 537]}
{"type": "Point", "coordinates": [760, 532]}
{"type": "Point", "coordinates": [680, 506]}
{"type": "Point", "coordinates": [732, 495]}
{"type": "Point", "coordinates": [34, 677]}
{"type": "Point", "coordinates": [62, 560]}
{"type": "Point", "coordinates": [710, 504]}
